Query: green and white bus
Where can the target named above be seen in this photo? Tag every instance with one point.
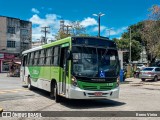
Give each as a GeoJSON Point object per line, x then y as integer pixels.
{"type": "Point", "coordinates": [74, 68]}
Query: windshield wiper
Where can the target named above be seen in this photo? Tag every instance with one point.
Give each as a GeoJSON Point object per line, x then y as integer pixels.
{"type": "Point", "coordinates": [105, 53]}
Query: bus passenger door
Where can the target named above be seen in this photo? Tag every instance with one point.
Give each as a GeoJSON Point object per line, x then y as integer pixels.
{"type": "Point", "coordinates": [63, 65]}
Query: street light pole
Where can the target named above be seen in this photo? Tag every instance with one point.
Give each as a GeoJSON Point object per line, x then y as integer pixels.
{"type": "Point", "coordinates": [130, 57]}
{"type": "Point", "coordinates": [99, 25]}
{"type": "Point", "coordinates": [99, 15]}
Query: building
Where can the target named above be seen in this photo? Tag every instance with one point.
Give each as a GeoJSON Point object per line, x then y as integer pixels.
{"type": "Point", "coordinates": [15, 37]}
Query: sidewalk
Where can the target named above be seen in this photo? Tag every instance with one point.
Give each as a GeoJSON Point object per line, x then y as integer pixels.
{"type": "Point", "coordinates": [3, 75]}
{"type": "Point", "coordinates": [139, 81]}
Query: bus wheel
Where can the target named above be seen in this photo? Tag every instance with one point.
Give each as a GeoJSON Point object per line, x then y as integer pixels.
{"type": "Point", "coordinates": [52, 93]}
{"type": "Point", "coordinates": [57, 97]}
{"type": "Point", "coordinates": [143, 79]}
{"type": "Point", "coordinates": [29, 84]}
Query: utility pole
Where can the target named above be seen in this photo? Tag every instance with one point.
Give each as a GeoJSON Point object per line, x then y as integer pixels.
{"type": "Point", "coordinates": [67, 28]}
{"type": "Point", "coordinates": [45, 31]}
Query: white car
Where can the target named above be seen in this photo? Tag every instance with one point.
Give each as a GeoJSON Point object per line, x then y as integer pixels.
{"type": "Point", "coordinates": [140, 66]}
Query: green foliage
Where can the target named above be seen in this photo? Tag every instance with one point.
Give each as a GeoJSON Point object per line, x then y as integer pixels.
{"type": "Point", "coordinates": [146, 33]}
{"type": "Point", "coordinates": [151, 33]}
{"type": "Point", "coordinates": [135, 32]}
{"type": "Point", "coordinates": [61, 35]}
{"type": "Point", "coordinates": [75, 30]}
{"type": "Point", "coordinates": [124, 45]}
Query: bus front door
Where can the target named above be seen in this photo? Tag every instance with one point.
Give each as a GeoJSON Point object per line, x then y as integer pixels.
{"type": "Point", "coordinates": [64, 66]}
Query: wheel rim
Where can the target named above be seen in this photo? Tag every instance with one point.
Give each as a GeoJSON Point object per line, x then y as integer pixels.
{"type": "Point", "coordinates": [29, 83]}
{"type": "Point", "coordinates": [55, 92]}
{"type": "Point", "coordinates": [156, 79]}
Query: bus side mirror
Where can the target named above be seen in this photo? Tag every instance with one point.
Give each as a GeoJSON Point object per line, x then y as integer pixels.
{"type": "Point", "coordinates": [69, 55]}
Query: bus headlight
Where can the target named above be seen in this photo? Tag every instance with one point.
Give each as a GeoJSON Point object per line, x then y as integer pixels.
{"type": "Point", "coordinates": [74, 81]}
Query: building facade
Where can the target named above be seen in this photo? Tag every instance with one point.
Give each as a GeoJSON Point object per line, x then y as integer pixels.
{"type": "Point", "coordinates": [15, 37]}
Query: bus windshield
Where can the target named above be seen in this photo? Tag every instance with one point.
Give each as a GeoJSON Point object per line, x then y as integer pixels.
{"type": "Point", "coordinates": [95, 62]}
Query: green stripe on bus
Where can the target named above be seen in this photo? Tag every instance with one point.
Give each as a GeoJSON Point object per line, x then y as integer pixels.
{"type": "Point", "coordinates": [65, 45]}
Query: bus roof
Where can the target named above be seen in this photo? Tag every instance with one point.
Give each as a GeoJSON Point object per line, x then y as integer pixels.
{"type": "Point", "coordinates": [48, 45]}
{"type": "Point", "coordinates": [61, 42]}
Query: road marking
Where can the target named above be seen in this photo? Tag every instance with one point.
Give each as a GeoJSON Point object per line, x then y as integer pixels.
{"type": "Point", "coordinates": [13, 91]}
{"type": "Point", "coordinates": [2, 92]}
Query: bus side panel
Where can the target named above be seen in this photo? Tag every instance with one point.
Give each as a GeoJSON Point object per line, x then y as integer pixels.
{"type": "Point", "coordinates": [45, 73]}
{"type": "Point", "coordinates": [55, 73]}
{"type": "Point", "coordinates": [45, 78]}
{"type": "Point", "coordinates": [34, 72]}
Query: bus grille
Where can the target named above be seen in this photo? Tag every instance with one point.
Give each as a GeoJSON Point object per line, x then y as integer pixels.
{"type": "Point", "coordinates": [96, 88]}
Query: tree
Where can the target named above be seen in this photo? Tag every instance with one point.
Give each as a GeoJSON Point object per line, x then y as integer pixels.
{"type": "Point", "coordinates": [151, 33]}
{"type": "Point", "coordinates": [76, 30]}
{"type": "Point", "coordinates": [61, 35]}
{"type": "Point", "coordinates": [135, 32]}
{"type": "Point", "coordinates": [147, 33]}
{"type": "Point", "coordinates": [124, 44]}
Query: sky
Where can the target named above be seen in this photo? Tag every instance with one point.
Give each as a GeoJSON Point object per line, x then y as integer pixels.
{"type": "Point", "coordinates": [119, 14]}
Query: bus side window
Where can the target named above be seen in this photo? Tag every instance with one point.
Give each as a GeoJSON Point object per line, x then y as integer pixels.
{"type": "Point", "coordinates": [24, 61]}
{"type": "Point", "coordinates": [39, 58]}
{"type": "Point", "coordinates": [42, 57]}
{"type": "Point", "coordinates": [56, 51]}
{"type": "Point", "coordinates": [36, 58]}
{"type": "Point", "coordinates": [29, 59]}
{"type": "Point", "coordinates": [48, 56]}
{"type": "Point", "coordinates": [32, 58]}
{"type": "Point", "coordinates": [52, 58]}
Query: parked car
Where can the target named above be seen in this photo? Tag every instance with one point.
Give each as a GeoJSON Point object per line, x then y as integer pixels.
{"type": "Point", "coordinates": [152, 73]}
{"type": "Point", "coordinates": [140, 66]}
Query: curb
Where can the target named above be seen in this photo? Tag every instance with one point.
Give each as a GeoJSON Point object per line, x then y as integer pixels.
{"type": "Point", "coordinates": [1, 110]}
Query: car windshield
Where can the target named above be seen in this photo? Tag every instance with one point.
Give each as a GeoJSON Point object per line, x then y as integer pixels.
{"type": "Point", "coordinates": [95, 62]}
{"type": "Point", "coordinates": [148, 69]}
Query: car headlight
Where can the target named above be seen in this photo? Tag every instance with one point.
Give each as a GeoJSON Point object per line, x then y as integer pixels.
{"type": "Point", "coordinates": [74, 81]}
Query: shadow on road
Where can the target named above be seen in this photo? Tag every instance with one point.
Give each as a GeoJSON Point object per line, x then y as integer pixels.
{"type": "Point", "coordinates": [40, 92]}
{"type": "Point", "coordinates": [89, 104]}
{"type": "Point", "coordinates": [81, 104]}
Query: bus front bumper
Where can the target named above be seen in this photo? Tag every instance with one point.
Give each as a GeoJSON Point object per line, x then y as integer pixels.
{"type": "Point", "coordinates": [77, 93]}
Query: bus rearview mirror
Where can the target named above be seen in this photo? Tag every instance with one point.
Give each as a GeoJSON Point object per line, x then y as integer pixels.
{"type": "Point", "coordinates": [69, 55]}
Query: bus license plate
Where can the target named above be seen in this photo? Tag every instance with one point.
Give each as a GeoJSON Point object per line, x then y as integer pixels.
{"type": "Point", "coordinates": [98, 93]}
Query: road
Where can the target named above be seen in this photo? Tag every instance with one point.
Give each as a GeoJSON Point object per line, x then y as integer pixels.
{"type": "Point", "coordinates": [134, 96]}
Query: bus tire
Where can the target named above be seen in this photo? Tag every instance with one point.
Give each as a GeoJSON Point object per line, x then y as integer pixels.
{"type": "Point", "coordinates": [30, 87]}
{"type": "Point", "coordinates": [52, 93]}
{"type": "Point", "coordinates": [143, 79]}
{"type": "Point", "coordinates": [57, 97]}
